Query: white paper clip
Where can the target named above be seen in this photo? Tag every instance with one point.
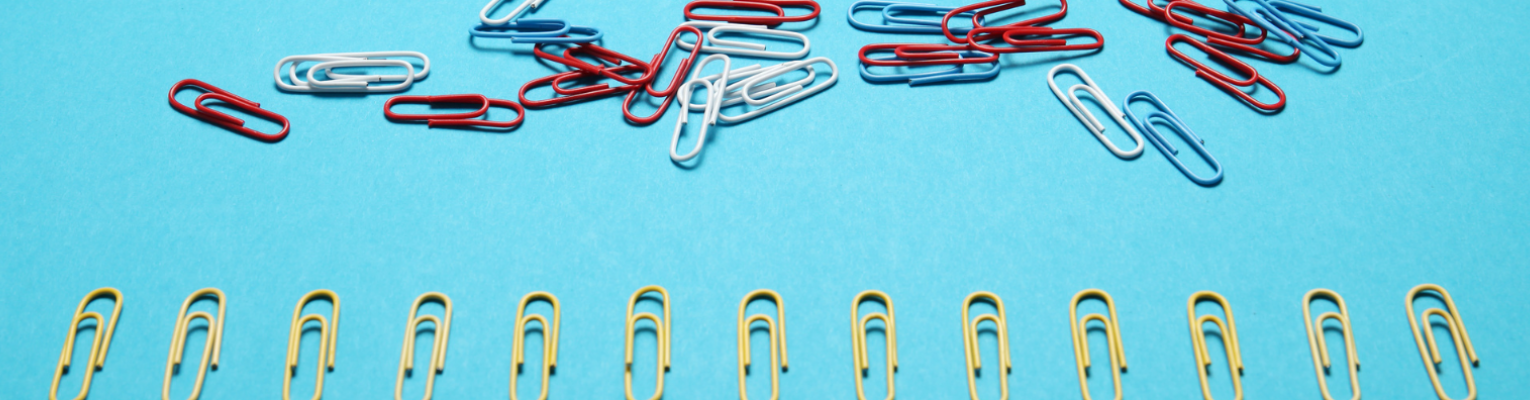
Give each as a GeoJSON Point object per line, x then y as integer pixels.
{"type": "Point", "coordinates": [484, 15]}
{"type": "Point", "coordinates": [709, 113]}
{"type": "Point", "coordinates": [339, 82]}
{"type": "Point", "coordinates": [734, 47]}
{"type": "Point", "coordinates": [1070, 99]}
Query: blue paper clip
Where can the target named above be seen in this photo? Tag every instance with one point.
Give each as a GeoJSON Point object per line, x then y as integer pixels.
{"type": "Point", "coordinates": [953, 74]}
{"type": "Point", "coordinates": [893, 24]}
{"type": "Point", "coordinates": [1270, 18]}
{"type": "Point", "coordinates": [1163, 146]}
{"type": "Point", "coordinates": [1315, 12]}
{"type": "Point", "coordinates": [545, 36]}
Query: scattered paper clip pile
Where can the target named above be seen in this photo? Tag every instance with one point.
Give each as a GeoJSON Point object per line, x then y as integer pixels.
{"type": "Point", "coordinates": [775, 327]}
{"type": "Point", "coordinates": [977, 45]}
{"type": "Point", "coordinates": [1270, 18]}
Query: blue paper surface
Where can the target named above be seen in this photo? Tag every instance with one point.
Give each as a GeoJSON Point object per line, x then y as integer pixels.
{"type": "Point", "coordinates": [1402, 167]}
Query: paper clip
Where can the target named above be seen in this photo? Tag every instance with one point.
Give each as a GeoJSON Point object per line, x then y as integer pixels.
{"type": "Point", "coordinates": [458, 119]}
{"type": "Point", "coordinates": [780, 97]}
{"type": "Point", "coordinates": [1014, 36]}
{"type": "Point", "coordinates": [1223, 81]}
{"type": "Point", "coordinates": [761, 5]}
{"type": "Point", "coordinates": [575, 95]}
{"type": "Point", "coordinates": [733, 92]}
{"type": "Point", "coordinates": [1168, 150]}
{"type": "Point", "coordinates": [921, 54]}
{"type": "Point", "coordinates": [1229, 332]}
{"type": "Point", "coordinates": [223, 120]}
{"type": "Point", "coordinates": [970, 342]}
{"type": "Point", "coordinates": [893, 24]}
{"type": "Point", "coordinates": [328, 330]}
{"type": "Point", "coordinates": [1070, 99]}
{"type": "Point", "coordinates": [1315, 340]}
{"type": "Point", "coordinates": [1081, 340]}
{"type": "Point", "coordinates": [858, 340]}
{"type": "Point", "coordinates": [99, 345]}
{"type": "Point", "coordinates": [210, 350]}
{"type": "Point", "coordinates": [443, 326]}
{"type": "Point", "coordinates": [982, 9]}
{"type": "Point", "coordinates": [1271, 18]}
{"type": "Point", "coordinates": [661, 330]}
{"type": "Point", "coordinates": [549, 341]}
{"type": "Point", "coordinates": [652, 75]}
{"type": "Point", "coordinates": [526, 29]}
{"type": "Point", "coordinates": [1314, 12]}
{"type": "Point", "coordinates": [777, 329]}
{"type": "Point", "coordinates": [953, 74]}
{"type": "Point", "coordinates": [734, 47]}
{"type": "Point", "coordinates": [1427, 347]}
{"type": "Point", "coordinates": [351, 83]}
{"type": "Point", "coordinates": [709, 113]}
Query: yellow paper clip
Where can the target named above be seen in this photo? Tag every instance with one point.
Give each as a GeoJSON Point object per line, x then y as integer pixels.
{"type": "Point", "coordinates": [443, 326]}
{"type": "Point", "coordinates": [98, 346]}
{"type": "Point", "coordinates": [1229, 331]}
{"type": "Point", "coordinates": [1320, 360]}
{"type": "Point", "coordinates": [777, 329]}
{"type": "Point", "coordinates": [549, 340]}
{"type": "Point", "coordinates": [858, 340]}
{"type": "Point", "coordinates": [212, 348]}
{"type": "Point", "coordinates": [1426, 343]}
{"type": "Point", "coordinates": [661, 329]}
{"type": "Point", "coordinates": [327, 333]}
{"type": "Point", "coordinates": [1081, 340]}
{"type": "Point", "coordinates": [970, 341]}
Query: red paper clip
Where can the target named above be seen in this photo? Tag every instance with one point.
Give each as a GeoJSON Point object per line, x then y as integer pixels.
{"type": "Point", "coordinates": [226, 121]}
{"type": "Point", "coordinates": [602, 53]}
{"type": "Point", "coordinates": [667, 93]}
{"type": "Point", "coordinates": [1238, 22]}
{"type": "Point", "coordinates": [775, 6]}
{"type": "Point", "coordinates": [1015, 36]}
{"type": "Point", "coordinates": [581, 93]}
{"type": "Point", "coordinates": [1223, 81]}
{"type": "Point", "coordinates": [921, 54]}
{"type": "Point", "coordinates": [458, 119]}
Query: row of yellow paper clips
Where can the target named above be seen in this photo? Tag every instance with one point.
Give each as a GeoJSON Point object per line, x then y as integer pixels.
{"type": "Point", "coordinates": [777, 335]}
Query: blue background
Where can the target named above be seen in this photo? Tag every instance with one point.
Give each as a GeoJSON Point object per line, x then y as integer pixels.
{"type": "Point", "coordinates": [1402, 167]}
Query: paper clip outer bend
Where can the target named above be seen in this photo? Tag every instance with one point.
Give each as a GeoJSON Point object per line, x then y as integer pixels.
{"type": "Point", "coordinates": [1427, 346]}
{"type": "Point", "coordinates": [661, 329]}
{"type": "Point", "coordinates": [101, 342]}
{"type": "Point", "coordinates": [443, 325]}
{"type": "Point", "coordinates": [223, 120]}
{"type": "Point", "coordinates": [858, 339]}
{"type": "Point", "coordinates": [1319, 346]}
{"type": "Point", "coordinates": [1081, 340]}
{"type": "Point", "coordinates": [1070, 99]}
{"type": "Point", "coordinates": [1222, 81]}
{"type": "Point", "coordinates": [654, 66]}
{"type": "Point", "coordinates": [210, 351]}
{"type": "Point", "coordinates": [549, 344]}
{"type": "Point", "coordinates": [1229, 331]}
{"type": "Point", "coordinates": [777, 329]}
{"type": "Point", "coordinates": [970, 342]}
{"type": "Point", "coordinates": [1163, 146]}
{"type": "Point", "coordinates": [892, 24]}
{"type": "Point", "coordinates": [328, 331]}
{"type": "Point", "coordinates": [1316, 13]}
